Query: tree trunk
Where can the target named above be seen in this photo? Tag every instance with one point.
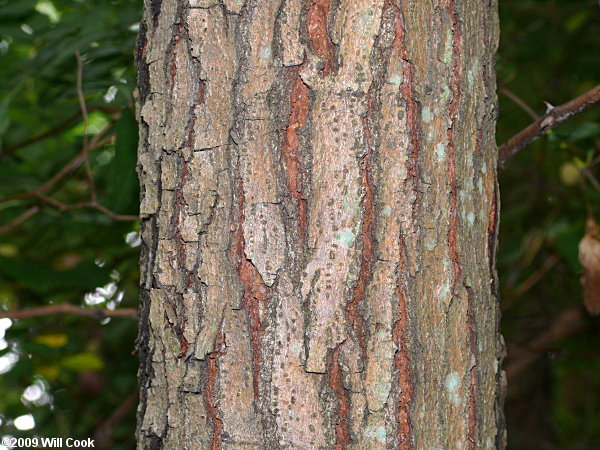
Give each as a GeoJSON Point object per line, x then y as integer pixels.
{"type": "Point", "coordinates": [319, 214]}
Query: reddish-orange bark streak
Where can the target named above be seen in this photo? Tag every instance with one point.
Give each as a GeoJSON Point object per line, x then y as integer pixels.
{"type": "Point", "coordinates": [408, 93]}
{"type": "Point", "coordinates": [316, 23]}
{"type": "Point", "coordinates": [342, 428]}
{"type": "Point", "coordinates": [184, 344]}
{"type": "Point", "coordinates": [402, 363]}
{"type": "Point", "coordinates": [368, 225]}
{"type": "Point", "coordinates": [255, 292]}
{"type": "Point", "coordinates": [300, 106]}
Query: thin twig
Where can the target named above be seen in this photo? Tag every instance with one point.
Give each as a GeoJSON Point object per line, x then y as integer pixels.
{"type": "Point", "coordinates": [94, 144]}
{"type": "Point", "coordinates": [58, 128]}
{"type": "Point", "coordinates": [80, 96]}
{"type": "Point", "coordinates": [520, 102]}
{"type": "Point", "coordinates": [93, 205]}
{"type": "Point", "coordinates": [551, 119]}
{"type": "Point", "coordinates": [565, 324]}
{"type": "Point", "coordinates": [19, 220]}
{"type": "Point", "coordinates": [39, 193]}
{"type": "Point", "coordinates": [113, 215]}
{"type": "Point", "coordinates": [531, 280]}
{"type": "Point", "coordinates": [84, 113]}
{"type": "Point", "coordinates": [68, 168]}
{"type": "Point", "coordinates": [68, 308]}
{"type": "Point", "coordinates": [586, 171]}
{"type": "Point", "coordinates": [104, 434]}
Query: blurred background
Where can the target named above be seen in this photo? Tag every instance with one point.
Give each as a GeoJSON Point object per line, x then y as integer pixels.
{"type": "Point", "coordinates": [69, 244]}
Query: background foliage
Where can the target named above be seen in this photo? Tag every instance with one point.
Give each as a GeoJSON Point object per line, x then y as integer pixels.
{"type": "Point", "coordinates": [76, 376]}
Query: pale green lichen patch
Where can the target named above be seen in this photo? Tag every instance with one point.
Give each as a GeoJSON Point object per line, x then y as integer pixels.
{"type": "Point", "coordinates": [430, 242]}
{"type": "Point", "coordinates": [427, 115]}
{"type": "Point", "coordinates": [440, 151]}
{"type": "Point", "coordinates": [445, 95]}
{"type": "Point", "coordinates": [383, 389]}
{"type": "Point", "coordinates": [471, 218]}
{"type": "Point", "coordinates": [365, 25]}
{"type": "Point", "coordinates": [447, 58]}
{"type": "Point", "coordinates": [377, 433]}
{"type": "Point", "coordinates": [470, 160]}
{"type": "Point", "coordinates": [443, 291]}
{"type": "Point", "coordinates": [452, 385]}
{"type": "Point", "coordinates": [352, 202]}
{"type": "Point", "coordinates": [396, 80]}
{"type": "Point", "coordinates": [472, 71]}
{"type": "Point", "coordinates": [345, 237]}
{"type": "Point", "coordinates": [265, 53]}
{"type": "Point", "coordinates": [387, 211]}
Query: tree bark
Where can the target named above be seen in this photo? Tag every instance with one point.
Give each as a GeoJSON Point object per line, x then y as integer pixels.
{"type": "Point", "coordinates": [319, 215]}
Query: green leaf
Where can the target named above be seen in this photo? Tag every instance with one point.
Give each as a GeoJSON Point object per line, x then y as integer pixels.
{"type": "Point", "coordinates": [17, 8]}
{"type": "Point", "coordinates": [585, 130]}
{"type": "Point", "coordinates": [53, 340]}
{"type": "Point", "coordinates": [576, 21]}
{"type": "Point", "coordinates": [82, 361]}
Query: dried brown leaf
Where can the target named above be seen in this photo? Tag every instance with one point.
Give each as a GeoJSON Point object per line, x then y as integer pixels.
{"type": "Point", "coordinates": [589, 256]}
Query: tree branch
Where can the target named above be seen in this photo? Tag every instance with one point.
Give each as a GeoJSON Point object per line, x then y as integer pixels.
{"type": "Point", "coordinates": [551, 119]}
{"type": "Point", "coordinates": [565, 324]}
{"type": "Point", "coordinates": [67, 308]}
{"type": "Point", "coordinates": [20, 219]}
{"type": "Point", "coordinates": [103, 435]}
{"type": "Point", "coordinates": [95, 142]}
{"type": "Point", "coordinates": [519, 101]}
{"type": "Point", "coordinates": [71, 120]}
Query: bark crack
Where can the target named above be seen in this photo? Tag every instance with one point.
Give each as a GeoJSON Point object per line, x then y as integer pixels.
{"type": "Point", "coordinates": [210, 388]}
{"type": "Point", "coordinates": [255, 294]}
{"type": "Point", "coordinates": [401, 357]}
{"type": "Point", "coordinates": [336, 382]}
{"type": "Point", "coordinates": [455, 87]}
{"type": "Point", "coordinates": [300, 107]}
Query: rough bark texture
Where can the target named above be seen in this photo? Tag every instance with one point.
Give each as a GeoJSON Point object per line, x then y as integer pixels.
{"type": "Point", "coordinates": [319, 214]}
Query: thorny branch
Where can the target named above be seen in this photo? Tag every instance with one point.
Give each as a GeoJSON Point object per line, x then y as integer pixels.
{"type": "Point", "coordinates": [68, 308]}
{"type": "Point", "coordinates": [551, 119]}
